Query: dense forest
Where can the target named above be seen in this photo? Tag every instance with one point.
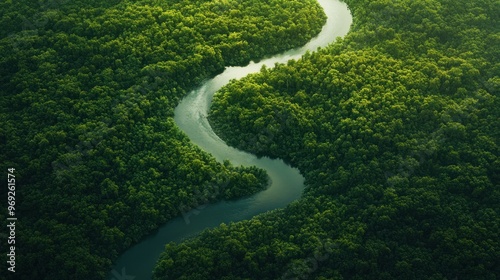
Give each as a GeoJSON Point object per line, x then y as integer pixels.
{"type": "Point", "coordinates": [396, 129]}
{"type": "Point", "coordinates": [88, 90]}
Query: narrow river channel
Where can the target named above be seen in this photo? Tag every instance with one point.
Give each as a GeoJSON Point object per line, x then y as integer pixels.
{"type": "Point", "coordinates": [190, 115]}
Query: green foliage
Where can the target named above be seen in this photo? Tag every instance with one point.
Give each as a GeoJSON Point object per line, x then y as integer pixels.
{"type": "Point", "coordinates": [395, 128]}
{"type": "Point", "coordinates": [88, 90]}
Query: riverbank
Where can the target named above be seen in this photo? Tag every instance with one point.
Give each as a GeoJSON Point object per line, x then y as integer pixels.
{"type": "Point", "coordinates": [190, 116]}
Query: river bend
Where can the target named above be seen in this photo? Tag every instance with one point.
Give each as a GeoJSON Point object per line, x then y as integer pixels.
{"type": "Point", "coordinates": [191, 116]}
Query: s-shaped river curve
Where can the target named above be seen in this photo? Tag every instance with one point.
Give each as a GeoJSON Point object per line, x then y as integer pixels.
{"type": "Point", "coordinates": [191, 116]}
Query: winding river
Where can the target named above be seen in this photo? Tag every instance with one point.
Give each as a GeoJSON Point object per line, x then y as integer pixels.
{"type": "Point", "coordinates": [191, 116]}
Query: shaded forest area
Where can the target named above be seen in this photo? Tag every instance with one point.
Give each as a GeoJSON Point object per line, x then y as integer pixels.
{"type": "Point", "coordinates": [396, 129]}
{"type": "Point", "coordinates": [88, 90]}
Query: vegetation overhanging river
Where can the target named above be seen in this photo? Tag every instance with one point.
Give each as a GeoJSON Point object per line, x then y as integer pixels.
{"type": "Point", "coordinates": [191, 116]}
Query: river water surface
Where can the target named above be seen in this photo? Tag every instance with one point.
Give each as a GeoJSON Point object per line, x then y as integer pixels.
{"type": "Point", "coordinates": [191, 116]}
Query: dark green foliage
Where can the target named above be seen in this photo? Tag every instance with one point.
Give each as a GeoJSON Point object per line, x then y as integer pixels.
{"type": "Point", "coordinates": [244, 182]}
{"type": "Point", "coordinates": [396, 129]}
{"type": "Point", "coordinates": [87, 92]}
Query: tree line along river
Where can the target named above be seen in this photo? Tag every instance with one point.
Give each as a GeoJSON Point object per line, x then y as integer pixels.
{"type": "Point", "coordinates": [191, 116]}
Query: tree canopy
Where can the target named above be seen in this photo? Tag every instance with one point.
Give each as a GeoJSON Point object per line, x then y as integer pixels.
{"type": "Point", "coordinates": [88, 90]}
{"type": "Point", "coordinates": [396, 130]}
